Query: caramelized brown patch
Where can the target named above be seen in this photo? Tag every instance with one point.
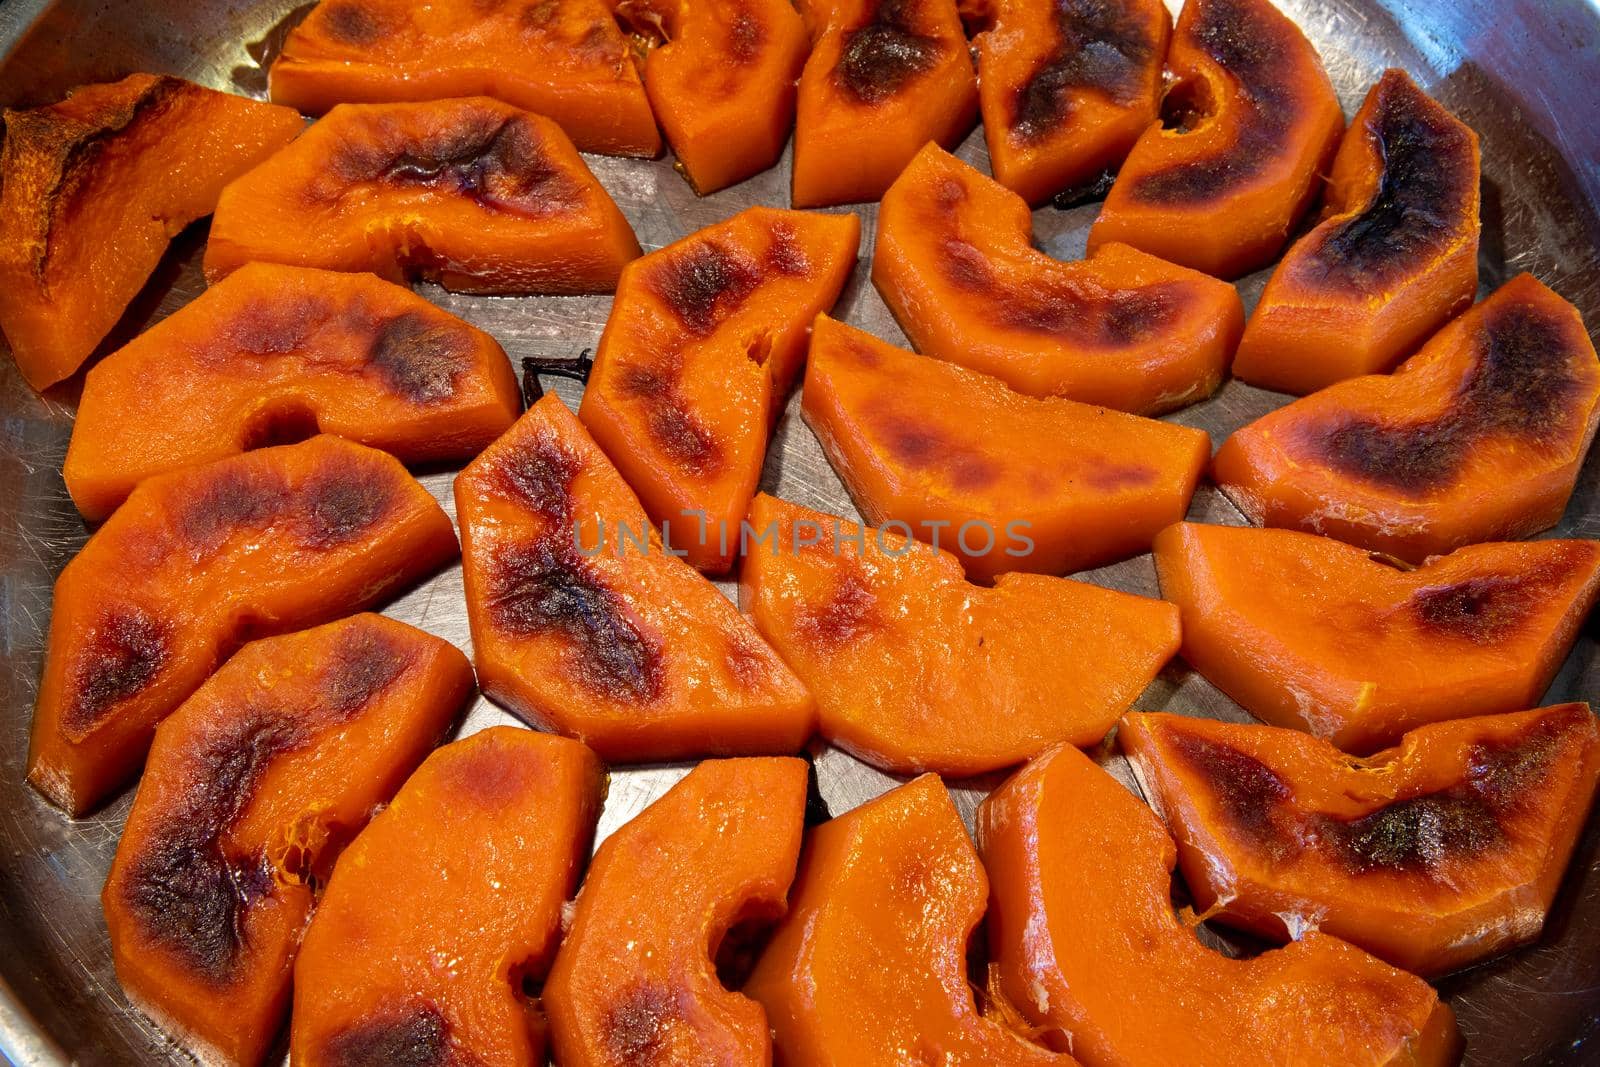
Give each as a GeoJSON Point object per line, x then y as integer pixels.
{"type": "Point", "coordinates": [1523, 383]}
{"type": "Point", "coordinates": [673, 426]}
{"type": "Point", "coordinates": [546, 588]}
{"type": "Point", "coordinates": [341, 502]}
{"type": "Point", "coordinates": [704, 284]}
{"type": "Point", "coordinates": [1099, 46]}
{"type": "Point", "coordinates": [1084, 313]}
{"type": "Point", "coordinates": [413, 1035]}
{"type": "Point", "coordinates": [1262, 57]}
{"type": "Point", "coordinates": [879, 58]}
{"type": "Point", "coordinates": [364, 663]}
{"type": "Point", "coordinates": [352, 22]}
{"type": "Point", "coordinates": [1417, 834]}
{"type": "Point", "coordinates": [233, 497]}
{"type": "Point", "coordinates": [746, 34]}
{"type": "Point", "coordinates": [1483, 608]}
{"type": "Point", "coordinates": [124, 654]}
{"type": "Point", "coordinates": [849, 612]}
{"type": "Point", "coordinates": [1429, 182]}
{"type": "Point", "coordinates": [786, 255]}
{"type": "Point", "coordinates": [917, 443]}
{"type": "Point", "coordinates": [538, 476]}
{"type": "Point", "coordinates": [1109, 477]}
{"type": "Point", "coordinates": [420, 358]}
{"type": "Point", "coordinates": [637, 1026]}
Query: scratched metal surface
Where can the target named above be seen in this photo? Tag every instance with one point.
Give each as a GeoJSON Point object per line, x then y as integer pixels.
{"type": "Point", "coordinates": [1525, 73]}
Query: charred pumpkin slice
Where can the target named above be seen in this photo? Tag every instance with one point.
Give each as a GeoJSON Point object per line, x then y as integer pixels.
{"type": "Point", "coordinates": [272, 351]}
{"type": "Point", "coordinates": [916, 669]}
{"type": "Point", "coordinates": [582, 621]}
{"type": "Point", "coordinates": [1435, 854]}
{"type": "Point", "coordinates": [1066, 87]}
{"type": "Point", "coordinates": [91, 191]}
{"type": "Point", "coordinates": [1088, 947]}
{"type": "Point", "coordinates": [471, 193]}
{"type": "Point", "coordinates": [566, 60]}
{"type": "Point", "coordinates": [252, 787]}
{"type": "Point", "coordinates": [262, 543]}
{"type": "Point", "coordinates": [446, 907]}
{"type": "Point", "coordinates": [1050, 485]}
{"type": "Point", "coordinates": [713, 856]}
{"type": "Point", "coordinates": [1395, 258]}
{"type": "Point", "coordinates": [1306, 632]}
{"type": "Point", "coordinates": [703, 343]}
{"type": "Point", "coordinates": [885, 77]}
{"type": "Point", "coordinates": [1250, 125]}
{"type": "Point", "coordinates": [721, 78]}
{"type": "Point", "coordinates": [869, 968]}
{"type": "Point", "coordinates": [955, 263]}
{"type": "Point", "coordinates": [1478, 437]}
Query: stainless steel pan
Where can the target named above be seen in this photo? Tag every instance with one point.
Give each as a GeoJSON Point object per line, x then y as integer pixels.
{"type": "Point", "coordinates": [1524, 73]}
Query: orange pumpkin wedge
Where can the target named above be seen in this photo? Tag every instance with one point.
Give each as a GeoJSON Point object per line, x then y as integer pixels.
{"type": "Point", "coordinates": [1394, 260]}
{"type": "Point", "coordinates": [1050, 486]}
{"type": "Point", "coordinates": [193, 563]}
{"type": "Point", "coordinates": [915, 669]}
{"type": "Point", "coordinates": [91, 191]}
{"type": "Point", "coordinates": [1252, 121]}
{"type": "Point", "coordinates": [955, 262]}
{"type": "Point", "coordinates": [884, 78]}
{"type": "Point", "coordinates": [1309, 633]}
{"type": "Point", "coordinates": [252, 788]}
{"type": "Point", "coordinates": [869, 968]}
{"type": "Point", "coordinates": [721, 78]}
{"type": "Point", "coordinates": [446, 907]}
{"type": "Point", "coordinates": [1088, 948]}
{"type": "Point", "coordinates": [566, 60]}
{"type": "Point", "coordinates": [1067, 87]}
{"type": "Point", "coordinates": [272, 351]}
{"type": "Point", "coordinates": [1433, 855]}
{"type": "Point", "coordinates": [1478, 437]}
{"type": "Point", "coordinates": [703, 343]}
{"type": "Point", "coordinates": [582, 621]}
{"type": "Point", "coordinates": [639, 985]}
{"type": "Point", "coordinates": [471, 193]}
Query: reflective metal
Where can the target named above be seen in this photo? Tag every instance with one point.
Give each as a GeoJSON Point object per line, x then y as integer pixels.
{"type": "Point", "coordinates": [1524, 73]}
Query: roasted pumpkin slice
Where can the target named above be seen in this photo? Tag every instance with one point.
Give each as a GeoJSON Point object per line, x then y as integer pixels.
{"type": "Point", "coordinates": [471, 193]}
{"type": "Point", "coordinates": [251, 789]}
{"type": "Point", "coordinates": [869, 968]}
{"type": "Point", "coordinates": [1088, 948]}
{"type": "Point", "coordinates": [714, 856]}
{"type": "Point", "coordinates": [703, 343]}
{"type": "Point", "coordinates": [1049, 486]}
{"type": "Point", "coordinates": [566, 60]}
{"type": "Point", "coordinates": [1440, 852]}
{"type": "Point", "coordinates": [1478, 437]}
{"type": "Point", "coordinates": [584, 622]}
{"type": "Point", "coordinates": [91, 191]}
{"type": "Point", "coordinates": [955, 263]}
{"type": "Point", "coordinates": [446, 907]}
{"type": "Point", "coordinates": [916, 669]}
{"type": "Point", "coordinates": [1309, 633]}
{"type": "Point", "coordinates": [1394, 259]}
{"type": "Point", "coordinates": [721, 78]}
{"type": "Point", "coordinates": [1250, 126]}
{"type": "Point", "coordinates": [191, 565]}
{"type": "Point", "coordinates": [1066, 87]}
{"type": "Point", "coordinates": [272, 351]}
{"type": "Point", "coordinates": [884, 78]}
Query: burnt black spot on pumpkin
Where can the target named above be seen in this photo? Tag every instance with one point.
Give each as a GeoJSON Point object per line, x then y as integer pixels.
{"type": "Point", "coordinates": [880, 57]}
{"type": "Point", "coordinates": [704, 284]}
{"type": "Point", "coordinates": [1428, 186]}
{"type": "Point", "coordinates": [547, 588]}
{"type": "Point", "coordinates": [1261, 58]}
{"type": "Point", "coordinates": [1483, 608]}
{"type": "Point", "coordinates": [420, 358]}
{"type": "Point", "coordinates": [674, 428]}
{"type": "Point", "coordinates": [1249, 793]}
{"type": "Point", "coordinates": [363, 664]}
{"type": "Point", "coordinates": [181, 887]}
{"type": "Point", "coordinates": [1522, 383]}
{"type": "Point", "coordinates": [124, 654]}
{"type": "Point", "coordinates": [538, 475]}
{"type": "Point", "coordinates": [637, 1026]}
{"type": "Point", "coordinates": [1100, 45]}
{"type": "Point", "coordinates": [229, 498]}
{"type": "Point", "coordinates": [352, 22]}
{"type": "Point", "coordinates": [341, 502]}
{"type": "Point", "coordinates": [411, 1035]}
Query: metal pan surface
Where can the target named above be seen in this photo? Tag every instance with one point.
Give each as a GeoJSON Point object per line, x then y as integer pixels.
{"type": "Point", "coordinates": [1524, 73]}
